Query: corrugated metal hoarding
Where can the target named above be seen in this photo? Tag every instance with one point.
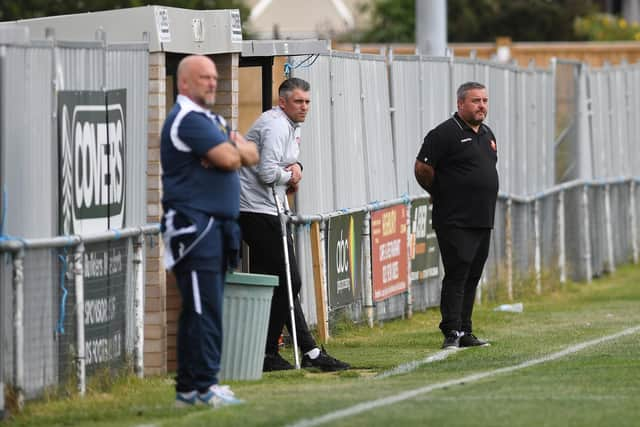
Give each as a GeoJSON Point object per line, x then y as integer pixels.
{"type": "Point", "coordinates": [33, 74]}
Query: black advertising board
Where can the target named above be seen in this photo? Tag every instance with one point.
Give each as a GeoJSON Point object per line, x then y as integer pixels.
{"type": "Point", "coordinates": [92, 182]}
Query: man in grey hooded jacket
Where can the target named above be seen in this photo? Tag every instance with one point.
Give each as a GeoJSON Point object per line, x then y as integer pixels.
{"type": "Point", "coordinates": [277, 136]}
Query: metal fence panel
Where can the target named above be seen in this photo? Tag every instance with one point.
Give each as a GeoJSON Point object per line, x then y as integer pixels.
{"type": "Point", "coordinates": [523, 239]}
{"type": "Point", "coordinates": [31, 74]}
{"type": "Point", "coordinates": [348, 144]}
{"type": "Point", "coordinates": [597, 230]}
{"type": "Point", "coordinates": [376, 129]}
{"type": "Point", "coordinates": [438, 99]}
{"type": "Point", "coordinates": [316, 151]}
{"type": "Point", "coordinates": [81, 66]}
{"type": "Point", "coordinates": [633, 106]}
{"type": "Point", "coordinates": [464, 70]}
{"type": "Point", "coordinates": [617, 141]}
{"type": "Point", "coordinates": [620, 223]}
{"type": "Point", "coordinates": [305, 264]}
{"type": "Point", "coordinates": [126, 68]}
{"type": "Point", "coordinates": [635, 237]}
{"type": "Point", "coordinates": [549, 233]}
{"type": "Point", "coordinates": [40, 342]}
{"type": "Point", "coordinates": [565, 110]}
{"type": "Point", "coordinates": [408, 136]}
{"type": "Point", "coordinates": [495, 261]}
{"type": "Point", "coordinates": [120, 61]}
{"type": "Point", "coordinates": [577, 255]}
{"type": "Point", "coordinates": [613, 106]}
{"type": "Point", "coordinates": [599, 130]}
{"type": "Point", "coordinates": [29, 161]}
{"type": "Point", "coordinates": [547, 123]}
{"type": "Point", "coordinates": [501, 83]}
{"type": "Point", "coordinates": [391, 308]}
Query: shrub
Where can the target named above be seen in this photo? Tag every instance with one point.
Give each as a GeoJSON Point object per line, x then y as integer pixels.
{"type": "Point", "coordinates": [606, 27]}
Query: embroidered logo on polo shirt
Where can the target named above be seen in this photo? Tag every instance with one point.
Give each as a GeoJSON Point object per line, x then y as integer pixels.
{"type": "Point", "coordinates": [465, 140]}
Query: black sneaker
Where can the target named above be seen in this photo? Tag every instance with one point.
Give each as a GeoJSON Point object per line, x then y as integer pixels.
{"type": "Point", "coordinates": [324, 362]}
{"type": "Point", "coordinates": [275, 362]}
{"type": "Point", "coordinates": [470, 340]}
{"type": "Point", "coordinates": [451, 340]}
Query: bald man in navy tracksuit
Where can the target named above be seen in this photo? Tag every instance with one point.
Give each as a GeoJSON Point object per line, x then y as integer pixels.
{"type": "Point", "coordinates": [201, 200]}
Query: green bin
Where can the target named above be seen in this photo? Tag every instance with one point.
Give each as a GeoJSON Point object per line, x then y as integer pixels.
{"type": "Point", "coordinates": [245, 318]}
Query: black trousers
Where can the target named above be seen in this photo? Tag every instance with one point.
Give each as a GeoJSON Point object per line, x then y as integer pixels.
{"type": "Point", "coordinates": [464, 252]}
{"type": "Point", "coordinates": [263, 234]}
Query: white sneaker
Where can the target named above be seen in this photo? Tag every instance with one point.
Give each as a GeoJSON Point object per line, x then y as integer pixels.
{"type": "Point", "coordinates": [218, 396]}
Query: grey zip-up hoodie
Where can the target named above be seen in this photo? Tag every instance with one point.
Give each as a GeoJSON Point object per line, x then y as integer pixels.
{"type": "Point", "coordinates": [278, 140]}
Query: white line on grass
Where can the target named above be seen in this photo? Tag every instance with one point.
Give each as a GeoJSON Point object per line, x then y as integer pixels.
{"type": "Point", "coordinates": [412, 366]}
{"type": "Point", "coordinates": [409, 394]}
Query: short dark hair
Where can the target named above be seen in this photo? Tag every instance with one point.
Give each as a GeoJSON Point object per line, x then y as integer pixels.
{"type": "Point", "coordinates": [466, 87]}
{"type": "Point", "coordinates": [291, 84]}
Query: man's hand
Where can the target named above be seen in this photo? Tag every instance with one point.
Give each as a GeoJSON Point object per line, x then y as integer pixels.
{"type": "Point", "coordinates": [424, 175]}
{"type": "Point", "coordinates": [292, 188]}
{"type": "Point", "coordinates": [296, 175]}
{"type": "Point", "coordinates": [248, 150]}
{"type": "Point", "coordinates": [205, 163]}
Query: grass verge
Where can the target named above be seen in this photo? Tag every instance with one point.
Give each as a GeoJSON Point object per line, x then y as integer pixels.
{"type": "Point", "coordinates": [594, 387]}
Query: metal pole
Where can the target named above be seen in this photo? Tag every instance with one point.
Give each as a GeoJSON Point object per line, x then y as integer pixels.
{"type": "Point", "coordinates": [392, 115]}
{"type": "Point", "coordinates": [80, 343]}
{"type": "Point", "coordinates": [611, 263]}
{"type": "Point", "coordinates": [366, 259]}
{"type": "Point", "coordinates": [18, 328]}
{"type": "Point", "coordinates": [363, 126]}
{"type": "Point", "coordinates": [562, 254]}
{"type": "Point", "coordinates": [509, 249]}
{"type": "Point", "coordinates": [537, 256]}
{"type": "Point", "coordinates": [323, 272]}
{"type": "Point", "coordinates": [587, 234]}
{"type": "Point", "coordinates": [431, 27]}
{"type": "Point", "coordinates": [409, 295]}
{"type": "Point", "coordinates": [1, 395]}
{"type": "Point", "coordinates": [632, 220]}
{"type": "Point", "coordinates": [138, 298]}
{"type": "Point", "coordinates": [285, 247]}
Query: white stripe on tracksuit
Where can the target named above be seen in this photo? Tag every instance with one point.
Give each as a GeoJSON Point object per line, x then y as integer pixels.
{"type": "Point", "coordinates": [197, 304]}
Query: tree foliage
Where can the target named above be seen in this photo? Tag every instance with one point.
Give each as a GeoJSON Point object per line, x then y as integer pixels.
{"type": "Point", "coordinates": [391, 21]}
{"type": "Point", "coordinates": [522, 20]}
{"type": "Point", "coordinates": [11, 10]}
{"type": "Point", "coordinates": [480, 20]}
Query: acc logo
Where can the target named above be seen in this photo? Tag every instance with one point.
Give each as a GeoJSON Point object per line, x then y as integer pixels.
{"type": "Point", "coordinates": [92, 167]}
{"type": "Point", "coordinates": [342, 255]}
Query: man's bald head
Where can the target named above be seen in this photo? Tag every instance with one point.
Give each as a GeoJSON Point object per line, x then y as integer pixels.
{"type": "Point", "coordinates": [198, 79]}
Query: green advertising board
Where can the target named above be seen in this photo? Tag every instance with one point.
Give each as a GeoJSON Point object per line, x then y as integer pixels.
{"type": "Point", "coordinates": [425, 256]}
{"type": "Point", "coordinates": [344, 243]}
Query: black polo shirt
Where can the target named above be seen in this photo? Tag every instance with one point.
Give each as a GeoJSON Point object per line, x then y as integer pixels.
{"type": "Point", "coordinates": [465, 187]}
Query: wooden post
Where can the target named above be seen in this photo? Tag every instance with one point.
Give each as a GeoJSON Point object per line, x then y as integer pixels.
{"type": "Point", "coordinates": [319, 281]}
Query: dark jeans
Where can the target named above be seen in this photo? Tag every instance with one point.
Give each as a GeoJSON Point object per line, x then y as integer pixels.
{"type": "Point", "coordinates": [263, 234]}
{"type": "Point", "coordinates": [199, 329]}
{"type": "Point", "coordinates": [464, 252]}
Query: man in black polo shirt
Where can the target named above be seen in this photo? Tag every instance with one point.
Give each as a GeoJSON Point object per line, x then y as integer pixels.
{"type": "Point", "coordinates": [457, 166]}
